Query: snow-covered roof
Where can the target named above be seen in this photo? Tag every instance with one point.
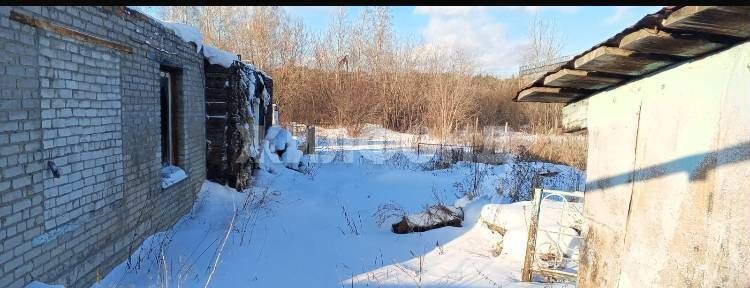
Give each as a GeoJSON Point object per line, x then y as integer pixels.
{"type": "Point", "coordinates": [186, 32]}
{"type": "Point", "coordinates": [220, 57]}
{"type": "Point", "coordinates": [191, 34]}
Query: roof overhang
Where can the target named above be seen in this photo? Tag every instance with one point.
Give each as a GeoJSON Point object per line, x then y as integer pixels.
{"type": "Point", "coordinates": [658, 41]}
{"type": "Point", "coordinates": [671, 36]}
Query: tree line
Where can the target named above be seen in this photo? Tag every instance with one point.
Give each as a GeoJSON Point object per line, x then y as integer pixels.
{"type": "Point", "coordinates": [357, 71]}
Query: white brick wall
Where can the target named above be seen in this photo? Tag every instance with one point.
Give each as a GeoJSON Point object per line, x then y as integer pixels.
{"type": "Point", "coordinates": [95, 113]}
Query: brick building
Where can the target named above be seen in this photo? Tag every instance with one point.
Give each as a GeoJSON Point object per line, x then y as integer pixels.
{"type": "Point", "coordinates": [93, 102]}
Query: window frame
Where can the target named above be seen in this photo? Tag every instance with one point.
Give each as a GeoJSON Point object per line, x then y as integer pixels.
{"type": "Point", "coordinates": [170, 151]}
{"type": "Point", "coordinates": [173, 136]}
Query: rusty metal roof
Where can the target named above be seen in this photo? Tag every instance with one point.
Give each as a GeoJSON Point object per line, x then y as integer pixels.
{"type": "Point", "coordinates": [670, 36]}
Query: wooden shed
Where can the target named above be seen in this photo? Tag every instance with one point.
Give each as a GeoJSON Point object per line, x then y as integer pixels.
{"type": "Point", "coordinates": [666, 105]}
{"type": "Point", "coordinates": [238, 113]}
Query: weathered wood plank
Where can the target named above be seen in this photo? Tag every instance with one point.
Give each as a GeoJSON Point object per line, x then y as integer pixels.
{"type": "Point", "coordinates": [580, 79]}
{"type": "Point", "coordinates": [65, 31]}
{"type": "Point", "coordinates": [310, 141]}
{"type": "Point", "coordinates": [619, 61]}
{"type": "Point", "coordinates": [548, 95]}
{"type": "Point", "coordinates": [574, 116]}
{"type": "Point", "coordinates": [570, 277]}
{"type": "Point", "coordinates": [216, 124]}
{"type": "Point", "coordinates": [217, 82]}
{"type": "Point", "coordinates": [660, 42]}
{"type": "Point", "coordinates": [723, 20]}
{"type": "Point", "coordinates": [531, 240]}
{"type": "Point", "coordinates": [217, 94]}
{"type": "Point", "coordinates": [216, 108]}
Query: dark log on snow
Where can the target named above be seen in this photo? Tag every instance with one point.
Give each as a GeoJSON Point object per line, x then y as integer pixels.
{"type": "Point", "coordinates": [435, 217]}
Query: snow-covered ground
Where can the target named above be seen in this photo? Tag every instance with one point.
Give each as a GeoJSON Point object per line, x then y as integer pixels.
{"type": "Point", "coordinates": [318, 228]}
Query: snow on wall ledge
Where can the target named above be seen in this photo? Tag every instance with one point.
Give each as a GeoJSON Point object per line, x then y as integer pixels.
{"type": "Point", "coordinates": [212, 54]}
{"type": "Point", "coordinates": [191, 34]}
{"type": "Point", "coordinates": [37, 284]}
{"type": "Point", "coordinates": [186, 32]}
{"type": "Point", "coordinates": [171, 175]}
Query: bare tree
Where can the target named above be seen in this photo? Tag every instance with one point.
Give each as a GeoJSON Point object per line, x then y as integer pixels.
{"type": "Point", "coordinates": [358, 72]}
{"type": "Point", "coordinates": [545, 41]}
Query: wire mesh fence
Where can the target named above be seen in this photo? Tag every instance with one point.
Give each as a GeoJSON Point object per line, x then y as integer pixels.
{"type": "Point", "coordinates": [544, 66]}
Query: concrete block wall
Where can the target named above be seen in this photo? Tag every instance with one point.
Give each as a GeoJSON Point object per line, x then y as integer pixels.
{"type": "Point", "coordinates": [94, 112]}
{"type": "Point", "coordinates": [669, 178]}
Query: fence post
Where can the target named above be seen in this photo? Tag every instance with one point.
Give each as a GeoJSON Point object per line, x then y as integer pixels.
{"type": "Point", "coordinates": [310, 141]}
{"type": "Point", "coordinates": [531, 243]}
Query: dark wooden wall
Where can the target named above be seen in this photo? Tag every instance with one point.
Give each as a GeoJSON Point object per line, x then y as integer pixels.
{"type": "Point", "coordinates": [226, 110]}
{"type": "Point", "coordinates": [217, 104]}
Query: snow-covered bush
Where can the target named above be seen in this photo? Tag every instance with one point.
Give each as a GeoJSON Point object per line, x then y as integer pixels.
{"type": "Point", "coordinates": [280, 147]}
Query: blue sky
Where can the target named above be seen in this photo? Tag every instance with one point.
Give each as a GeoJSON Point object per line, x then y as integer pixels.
{"type": "Point", "coordinates": [494, 35]}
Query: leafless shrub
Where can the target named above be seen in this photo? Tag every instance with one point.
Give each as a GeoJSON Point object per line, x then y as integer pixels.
{"type": "Point", "coordinates": [485, 277]}
{"type": "Point", "coordinates": [444, 156]}
{"type": "Point", "coordinates": [353, 225]}
{"type": "Point", "coordinates": [437, 162]}
{"type": "Point", "coordinates": [400, 161]}
{"type": "Point", "coordinates": [471, 185]}
{"type": "Point", "coordinates": [310, 169]}
{"type": "Point", "coordinates": [338, 149]}
{"type": "Point", "coordinates": [152, 258]}
{"type": "Point", "coordinates": [388, 211]}
{"type": "Point", "coordinates": [261, 200]}
{"type": "Point", "coordinates": [414, 274]}
{"type": "Point", "coordinates": [517, 184]}
{"type": "Point", "coordinates": [497, 248]}
{"type": "Point", "coordinates": [437, 196]}
{"type": "Point", "coordinates": [441, 251]}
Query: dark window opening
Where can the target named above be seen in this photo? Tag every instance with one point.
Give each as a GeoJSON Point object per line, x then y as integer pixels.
{"type": "Point", "coordinates": [259, 93]}
{"type": "Point", "coordinates": [169, 119]}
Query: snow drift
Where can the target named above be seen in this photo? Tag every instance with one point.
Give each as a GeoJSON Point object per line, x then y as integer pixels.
{"type": "Point", "coordinates": [307, 233]}
{"type": "Point", "coordinates": [280, 148]}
